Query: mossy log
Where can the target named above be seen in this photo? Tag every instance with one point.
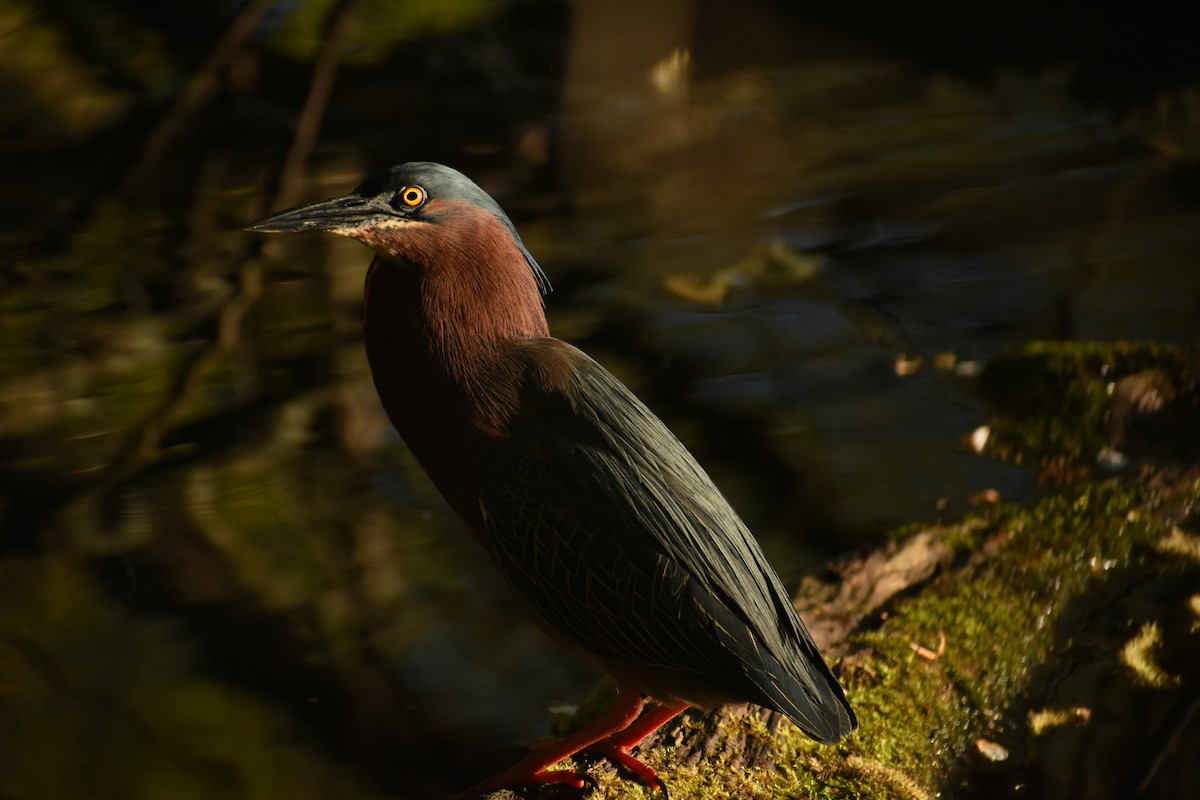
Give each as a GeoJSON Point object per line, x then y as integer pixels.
{"type": "Point", "coordinates": [1042, 649]}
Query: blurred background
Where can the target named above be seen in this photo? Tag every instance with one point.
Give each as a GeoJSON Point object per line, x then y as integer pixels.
{"type": "Point", "coordinates": [796, 230]}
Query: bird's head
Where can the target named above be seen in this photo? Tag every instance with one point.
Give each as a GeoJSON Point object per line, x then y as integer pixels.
{"type": "Point", "coordinates": [421, 212]}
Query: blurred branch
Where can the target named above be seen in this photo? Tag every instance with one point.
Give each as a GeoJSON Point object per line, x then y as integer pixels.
{"type": "Point", "coordinates": [315, 103]}
{"type": "Point", "coordinates": [144, 445]}
{"type": "Point", "coordinates": [201, 87]}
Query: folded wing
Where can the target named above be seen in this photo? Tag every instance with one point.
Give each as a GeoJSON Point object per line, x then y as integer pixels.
{"type": "Point", "coordinates": [621, 543]}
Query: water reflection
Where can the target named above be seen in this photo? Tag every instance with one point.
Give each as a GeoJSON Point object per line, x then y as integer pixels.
{"type": "Point", "coordinates": [223, 574]}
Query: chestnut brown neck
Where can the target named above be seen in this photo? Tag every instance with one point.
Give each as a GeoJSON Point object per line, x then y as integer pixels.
{"type": "Point", "coordinates": [445, 303]}
{"type": "Point", "coordinates": [476, 288]}
{"type": "Point", "coordinates": [479, 291]}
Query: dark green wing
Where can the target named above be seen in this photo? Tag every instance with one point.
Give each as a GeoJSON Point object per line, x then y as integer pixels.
{"type": "Point", "coordinates": [621, 543]}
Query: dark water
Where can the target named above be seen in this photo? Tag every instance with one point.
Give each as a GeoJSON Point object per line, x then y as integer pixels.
{"type": "Point", "coordinates": [221, 574]}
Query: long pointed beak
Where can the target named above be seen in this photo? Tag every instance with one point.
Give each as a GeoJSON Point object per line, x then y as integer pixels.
{"type": "Point", "coordinates": [342, 214]}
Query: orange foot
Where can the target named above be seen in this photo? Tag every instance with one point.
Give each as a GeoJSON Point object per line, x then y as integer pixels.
{"type": "Point", "coordinates": [612, 737]}
{"type": "Point", "coordinates": [616, 747]}
{"type": "Point", "coordinates": [640, 770]}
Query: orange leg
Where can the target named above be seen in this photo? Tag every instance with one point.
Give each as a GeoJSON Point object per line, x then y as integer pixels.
{"type": "Point", "coordinates": [533, 769]}
{"type": "Point", "coordinates": [617, 745]}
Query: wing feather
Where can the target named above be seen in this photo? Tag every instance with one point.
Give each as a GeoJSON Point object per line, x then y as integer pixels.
{"type": "Point", "coordinates": [622, 543]}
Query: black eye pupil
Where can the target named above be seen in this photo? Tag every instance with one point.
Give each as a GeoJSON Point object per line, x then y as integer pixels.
{"type": "Point", "coordinates": [411, 197]}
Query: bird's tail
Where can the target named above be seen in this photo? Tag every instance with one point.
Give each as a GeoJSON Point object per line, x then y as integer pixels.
{"type": "Point", "coordinates": [809, 695]}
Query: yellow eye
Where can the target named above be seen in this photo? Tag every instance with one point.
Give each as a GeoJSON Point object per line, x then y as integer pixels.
{"type": "Point", "coordinates": [412, 196]}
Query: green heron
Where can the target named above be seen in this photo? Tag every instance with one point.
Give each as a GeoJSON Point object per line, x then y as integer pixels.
{"type": "Point", "coordinates": [614, 537]}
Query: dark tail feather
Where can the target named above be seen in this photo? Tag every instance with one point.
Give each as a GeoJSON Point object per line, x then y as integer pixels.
{"type": "Point", "coordinates": [812, 699]}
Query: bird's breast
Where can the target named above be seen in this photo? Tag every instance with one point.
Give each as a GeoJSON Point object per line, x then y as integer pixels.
{"type": "Point", "coordinates": [450, 401]}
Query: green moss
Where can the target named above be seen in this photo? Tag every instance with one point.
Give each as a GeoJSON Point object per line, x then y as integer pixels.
{"type": "Point", "coordinates": [1007, 618]}
{"type": "Point", "coordinates": [1003, 623]}
{"type": "Point", "coordinates": [1056, 399]}
{"type": "Point", "coordinates": [1026, 578]}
